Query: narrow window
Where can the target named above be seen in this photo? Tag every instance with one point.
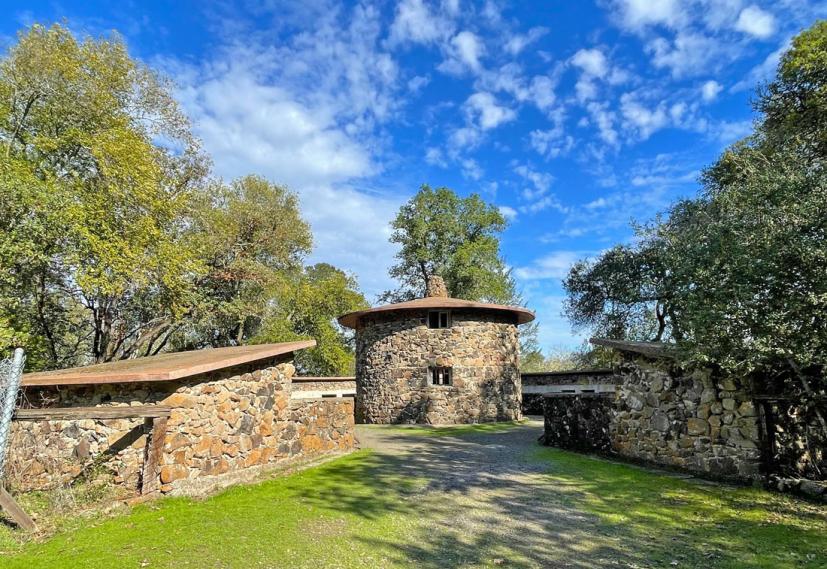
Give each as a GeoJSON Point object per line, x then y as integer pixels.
{"type": "Point", "coordinates": [439, 319]}
{"type": "Point", "coordinates": [440, 375]}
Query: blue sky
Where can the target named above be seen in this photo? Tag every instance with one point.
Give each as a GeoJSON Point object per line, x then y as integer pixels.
{"type": "Point", "coordinates": [573, 117]}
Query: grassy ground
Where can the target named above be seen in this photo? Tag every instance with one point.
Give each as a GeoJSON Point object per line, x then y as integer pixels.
{"type": "Point", "coordinates": [368, 510]}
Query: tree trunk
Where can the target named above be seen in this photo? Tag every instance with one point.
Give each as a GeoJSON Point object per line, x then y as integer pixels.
{"type": "Point", "coordinates": [805, 383]}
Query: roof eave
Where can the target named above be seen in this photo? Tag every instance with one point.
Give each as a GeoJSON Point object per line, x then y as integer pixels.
{"type": "Point", "coordinates": [648, 349]}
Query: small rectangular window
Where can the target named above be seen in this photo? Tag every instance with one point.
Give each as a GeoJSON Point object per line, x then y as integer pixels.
{"type": "Point", "coordinates": [440, 375]}
{"type": "Point", "coordinates": [439, 319]}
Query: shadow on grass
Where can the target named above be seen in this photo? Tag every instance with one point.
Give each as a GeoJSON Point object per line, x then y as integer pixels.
{"type": "Point", "coordinates": [488, 499]}
{"type": "Point", "coordinates": [491, 499]}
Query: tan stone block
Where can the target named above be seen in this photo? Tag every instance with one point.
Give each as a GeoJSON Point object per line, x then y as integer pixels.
{"type": "Point", "coordinates": [231, 450]}
{"type": "Point", "coordinates": [216, 447]}
{"type": "Point", "coordinates": [181, 400]}
{"type": "Point", "coordinates": [202, 447]}
{"type": "Point", "coordinates": [253, 458]}
{"type": "Point", "coordinates": [174, 441]}
{"type": "Point", "coordinates": [172, 472]}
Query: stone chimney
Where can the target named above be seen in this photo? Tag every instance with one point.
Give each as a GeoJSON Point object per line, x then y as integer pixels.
{"type": "Point", "coordinates": [436, 287]}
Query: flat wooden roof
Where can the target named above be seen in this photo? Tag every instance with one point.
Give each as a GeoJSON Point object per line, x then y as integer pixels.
{"type": "Point", "coordinates": [164, 367]}
{"type": "Point", "coordinates": [520, 314]}
{"type": "Point", "coordinates": [649, 349]}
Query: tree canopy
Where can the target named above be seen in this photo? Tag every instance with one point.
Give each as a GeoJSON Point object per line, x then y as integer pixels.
{"type": "Point", "coordinates": [735, 276]}
{"type": "Point", "coordinates": [440, 233]}
{"type": "Point", "coordinates": [116, 242]}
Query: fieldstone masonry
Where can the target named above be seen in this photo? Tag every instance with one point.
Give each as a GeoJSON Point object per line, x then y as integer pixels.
{"type": "Point", "coordinates": [689, 420]}
{"type": "Point", "coordinates": [662, 415]}
{"type": "Point", "coordinates": [395, 350]}
{"type": "Point", "coordinates": [224, 427]}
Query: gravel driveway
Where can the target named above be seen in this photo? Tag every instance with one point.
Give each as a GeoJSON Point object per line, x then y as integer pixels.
{"type": "Point", "coordinates": [488, 502]}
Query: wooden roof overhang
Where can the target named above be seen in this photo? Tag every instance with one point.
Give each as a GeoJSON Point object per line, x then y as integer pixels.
{"type": "Point", "coordinates": [521, 315]}
{"type": "Point", "coordinates": [164, 367]}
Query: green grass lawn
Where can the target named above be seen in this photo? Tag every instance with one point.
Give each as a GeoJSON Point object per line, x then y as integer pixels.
{"type": "Point", "coordinates": [363, 511]}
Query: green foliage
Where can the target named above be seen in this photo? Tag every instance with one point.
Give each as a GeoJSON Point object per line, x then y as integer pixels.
{"type": "Point", "coordinates": [253, 241]}
{"type": "Point", "coordinates": [794, 106]}
{"type": "Point", "coordinates": [308, 308]}
{"type": "Point", "coordinates": [251, 237]}
{"type": "Point", "coordinates": [112, 243]}
{"type": "Point", "coordinates": [440, 233]}
{"type": "Point", "coordinates": [557, 359]}
{"type": "Point", "coordinates": [736, 276]}
{"type": "Point", "coordinates": [618, 294]}
{"type": "Point", "coordinates": [90, 238]}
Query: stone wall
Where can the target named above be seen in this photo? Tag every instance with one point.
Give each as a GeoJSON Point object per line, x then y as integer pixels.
{"type": "Point", "coordinates": [536, 384]}
{"type": "Point", "coordinates": [662, 415]}
{"type": "Point", "coordinates": [224, 426]}
{"type": "Point", "coordinates": [394, 351]}
{"type": "Point", "coordinates": [578, 421]}
{"type": "Point", "coordinates": [689, 420]}
{"type": "Point", "coordinates": [312, 387]}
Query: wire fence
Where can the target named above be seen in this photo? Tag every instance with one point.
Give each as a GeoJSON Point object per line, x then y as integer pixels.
{"type": "Point", "coordinates": [11, 371]}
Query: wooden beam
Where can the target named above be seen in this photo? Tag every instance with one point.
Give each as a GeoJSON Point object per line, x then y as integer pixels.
{"type": "Point", "coordinates": [73, 413]}
{"type": "Point", "coordinates": [154, 452]}
{"type": "Point", "coordinates": [15, 512]}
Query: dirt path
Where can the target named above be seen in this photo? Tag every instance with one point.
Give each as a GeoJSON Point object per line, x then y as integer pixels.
{"type": "Point", "coordinates": [488, 502]}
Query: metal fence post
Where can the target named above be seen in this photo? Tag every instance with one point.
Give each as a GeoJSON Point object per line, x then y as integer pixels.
{"type": "Point", "coordinates": [11, 372]}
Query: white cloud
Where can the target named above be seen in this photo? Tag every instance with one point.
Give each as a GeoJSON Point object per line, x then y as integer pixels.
{"type": "Point", "coordinates": [643, 120]}
{"type": "Point", "coordinates": [635, 15]}
{"type": "Point", "coordinates": [471, 169]}
{"type": "Point", "coordinates": [605, 120]}
{"type": "Point", "coordinates": [690, 53]}
{"type": "Point", "coordinates": [730, 131]}
{"type": "Point", "coordinates": [541, 92]}
{"type": "Point", "coordinates": [756, 22]}
{"type": "Point", "coordinates": [489, 113]}
{"type": "Point", "coordinates": [434, 157]}
{"type": "Point", "coordinates": [591, 61]}
{"type": "Point", "coordinates": [710, 90]}
{"type": "Point", "coordinates": [305, 112]}
{"type": "Point", "coordinates": [248, 125]}
{"type": "Point", "coordinates": [417, 83]}
{"type": "Point", "coordinates": [555, 265]}
{"type": "Point", "coordinates": [540, 181]}
{"type": "Point", "coordinates": [507, 212]}
{"type": "Point", "coordinates": [463, 53]}
{"type": "Point", "coordinates": [464, 138]}
{"type": "Point", "coordinates": [551, 143]}
{"type": "Point", "coordinates": [537, 196]}
{"type": "Point", "coordinates": [519, 42]}
{"type": "Point", "coordinates": [414, 22]}
{"type": "Point", "coordinates": [763, 71]}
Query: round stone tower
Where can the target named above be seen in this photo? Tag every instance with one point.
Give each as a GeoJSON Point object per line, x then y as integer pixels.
{"type": "Point", "coordinates": [437, 360]}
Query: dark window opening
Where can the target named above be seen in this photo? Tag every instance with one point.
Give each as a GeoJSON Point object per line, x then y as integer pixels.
{"type": "Point", "coordinates": [439, 319]}
{"type": "Point", "coordinates": [440, 375]}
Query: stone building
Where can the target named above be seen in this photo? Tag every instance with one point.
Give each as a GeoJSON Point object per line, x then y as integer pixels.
{"type": "Point", "coordinates": [437, 360]}
{"type": "Point", "coordinates": [220, 416]}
